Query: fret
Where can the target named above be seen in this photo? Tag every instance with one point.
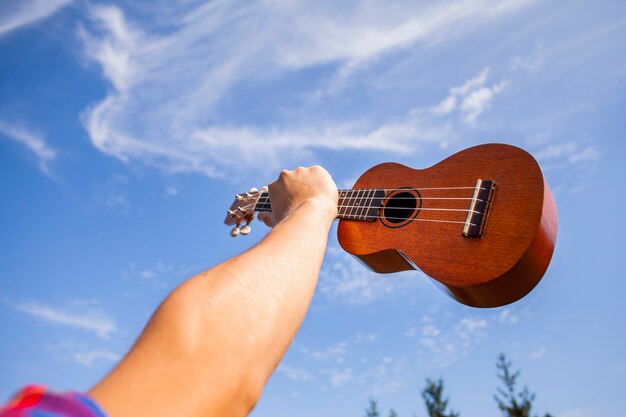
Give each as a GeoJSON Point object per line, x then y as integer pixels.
{"type": "Point", "coordinates": [263, 203]}
{"type": "Point", "coordinates": [341, 212]}
{"type": "Point", "coordinates": [361, 204]}
{"type": "Point", "coordinates": [357, 200]}
{"type": "Point", "coordinates": [357, 204]}
{"type": "Point", "coordinates": [350, 204]}
{"type": "Point", "coordinates": [367, 204]}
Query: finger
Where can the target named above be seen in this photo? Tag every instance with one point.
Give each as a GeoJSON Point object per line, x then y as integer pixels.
{"type": "Point", "coordinates": [265, 217]}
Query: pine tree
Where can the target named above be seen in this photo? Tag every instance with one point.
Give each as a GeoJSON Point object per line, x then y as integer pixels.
{"type": "Point", "coordinates": [512, 403]}
{"type": "Point", "coordinates": [372, 410]}
{"type": "Point", "coordinates": [435, 403]}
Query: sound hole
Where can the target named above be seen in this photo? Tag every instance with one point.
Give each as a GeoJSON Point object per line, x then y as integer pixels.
{"type": "Point", "coordinates": [400, 207]}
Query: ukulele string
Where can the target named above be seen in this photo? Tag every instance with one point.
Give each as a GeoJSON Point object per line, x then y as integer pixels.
{"type": "Point", "coordinates": [412, 188]}
{"type": "Point", "coordinates": [409, 208]}
{"type": "Point", "coordinates": [414, 198]}
{"type": "Point", "coordinates": [368, 217]}
{"type": "Point", "coordinates": [261, 206]}
{"type": "Point", "coordinates": [267, 204]}
{"type": "Point", "coordinates": [349, 216]}
{"type": "Point", "coordinates": [264, 203]}
{"type": "Point", "coordinates": [365, 217]}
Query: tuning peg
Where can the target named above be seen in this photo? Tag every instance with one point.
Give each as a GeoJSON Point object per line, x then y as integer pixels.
{"type": "Point", "coordinates": [253, 190]}
{"type": "Point", "coordinates": [231, 213]}
{"type": "Point", "coordinates": [246, 229]}
{"type": "Point", "coordinates": [235, 231]}
{"type": "Point", "coordinates": [264, 188]}
{"type": "Point", "coordinates": [239, 197]}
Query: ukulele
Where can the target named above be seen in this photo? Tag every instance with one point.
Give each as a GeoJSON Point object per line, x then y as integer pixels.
{"type": "Point", "coordinates": [482, 223]}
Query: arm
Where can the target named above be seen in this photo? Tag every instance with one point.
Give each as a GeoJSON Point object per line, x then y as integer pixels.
{"type": "Point", "coordinates": [213, 343]}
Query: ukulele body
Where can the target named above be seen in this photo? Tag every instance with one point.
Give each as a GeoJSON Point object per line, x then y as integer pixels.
{"type": "Point", "coordinates": [500, 266]}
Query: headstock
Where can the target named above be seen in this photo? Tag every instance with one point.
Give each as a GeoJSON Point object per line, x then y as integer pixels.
{"type": "Point", "coordinates": [242, 210]}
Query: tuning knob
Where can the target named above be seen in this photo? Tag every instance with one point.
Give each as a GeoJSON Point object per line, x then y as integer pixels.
{"type": "Point", "coordinates": [235, 231]}
{"type": "Point", "coordinates": [246, 229]}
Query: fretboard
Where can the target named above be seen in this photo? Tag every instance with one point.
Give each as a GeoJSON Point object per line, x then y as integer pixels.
{"type": "Point", "coordinates": [354, 204]}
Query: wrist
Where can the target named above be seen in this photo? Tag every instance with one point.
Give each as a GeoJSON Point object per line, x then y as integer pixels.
{"type": "Point", "coordinates": [325, 208]}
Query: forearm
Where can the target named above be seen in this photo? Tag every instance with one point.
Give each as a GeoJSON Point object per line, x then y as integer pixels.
{"type": "Point", "coordinates": [218, 337]}
{"type": "Point", "coordinates": [258, 300]}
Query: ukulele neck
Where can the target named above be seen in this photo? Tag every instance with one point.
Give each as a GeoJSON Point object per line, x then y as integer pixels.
{"type": "Point", "coordinates": [353, 204]}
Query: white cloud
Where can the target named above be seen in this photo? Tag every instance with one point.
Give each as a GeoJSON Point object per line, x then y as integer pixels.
{"type": "Point", "coordinates": [471, 98]}
{"type": "Point", "coordinates": [366, 337]}
{"type": "Point", "coordinates": [89, 357]}
{"type": "Point", "coordinates": [471, 325]}
{"type": "Point", "coordinates": [34, 142]}
{"type": "Point", "coordinates": [343, 280]}
{"type": "Point", "coordinates": [15, 14]}
{"type": "Point", "coordinates": [472, 84]}
{"type": "Point", "coordinates": [113, 194]}
{"type": "Point", "coordinates": [447, 105]}
{"type": "Point", "coordinates": [556, 151]}
{"type": "Point", "coordinates": [590, 153]}
{"type": "Point", "coordinates": [431, 330]}
{"type": "Point", "coordinates": [385, 376]}
{"type": "Point", "coordinates": [531, 62]}
{"type": "Point", "coordinates": [86, 318]}
{"type": "Point", "coordinates": [537, 353]}
{"type": "Point", "coordinates": [340, 377]}
{"type": "Point", "coordinates": [574, 412]}
{"type": "Point", "coordinates": [444, 347]}
{"type": "Point", "coordinates": [294, 374]}
{"type": "Point", "coordinates": [171, 191]}
{"type": "Point", "coordinates": [334, 353]}
{"type": "Point", "coordinates": [168, 85]}
{"type": "Point", "coordinates": [160, 274]}
{"type": "Point", "coordinates": [507, 316]}
{"type": "Point", "coordinates": [568, 153]}
{"type": "Point", "coordinates": [478, 101]}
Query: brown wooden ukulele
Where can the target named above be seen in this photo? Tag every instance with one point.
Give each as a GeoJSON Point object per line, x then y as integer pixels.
{"type": "Point", "coordinates": [482, 222]}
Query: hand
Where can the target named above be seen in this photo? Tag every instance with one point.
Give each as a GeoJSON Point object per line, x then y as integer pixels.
{"type": "Point", "coordinates": [293, 188]}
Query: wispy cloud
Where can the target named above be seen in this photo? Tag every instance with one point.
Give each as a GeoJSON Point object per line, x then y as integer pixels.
{"type": "Point", "coordinates": [294, 374]}
{"type": "Point", "coordinates": [159, 274]}
{"type": "Point", "coordinates": [343, 280]}
{"type": "Point", "coordinates": [15, 14]}
{"type": "Point", "coordinates": [530, 62]}
{"type": "Point", "coordinates": [112, 194]}
{"type": "Point", "coordinates": [338, 377]}
{"type": "Point", "coordinates": [334, 353]}
{"type": "Point", "coordinates": [508, 316]}
{"type": "Point", "coordinates": [444, 346]}
{"type": "Point", "coordinates": [33, 141]}
{"type": "Point", "coordinates": [575, 412]}
{"type": "Point", "coordinates": [471, 98]}
{"type": "Point", "coordinates": [89, 357]}
{"type": "Point", "coordinates": [564, 154]}
{"type": "Point", "coordinates": [537, 353]}
{"type": "Point", "coordinates": [90, 319]}
{"type": "Point", "coordinates": [168, 85]}
{"type": "Point", "coordinates": [381, 377]}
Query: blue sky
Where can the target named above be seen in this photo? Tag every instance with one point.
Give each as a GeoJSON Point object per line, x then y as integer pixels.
{"type": "Point", "coordinates": [127, 127]}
